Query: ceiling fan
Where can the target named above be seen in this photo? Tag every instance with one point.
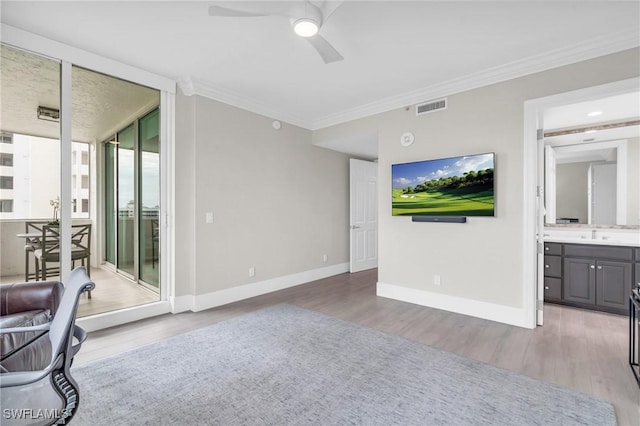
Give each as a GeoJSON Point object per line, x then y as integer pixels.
{"type": "Point", "coordinates": [306, 19]}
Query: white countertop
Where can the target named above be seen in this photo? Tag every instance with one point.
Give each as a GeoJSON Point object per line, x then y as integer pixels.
{"type": "Point", "coordinates": [591, 241]}
{"type": "Point", "coordinates": [611, 237]}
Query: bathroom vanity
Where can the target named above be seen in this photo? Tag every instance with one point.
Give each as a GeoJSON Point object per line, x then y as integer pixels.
{"type": "Point", "coordinates": [591, 268]}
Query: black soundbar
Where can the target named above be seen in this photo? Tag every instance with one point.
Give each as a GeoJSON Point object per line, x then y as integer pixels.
{"type": "Point", "coordinates": [445, 219]}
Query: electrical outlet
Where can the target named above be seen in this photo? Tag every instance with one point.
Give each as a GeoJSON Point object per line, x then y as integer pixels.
{"type": "Point", "coordinates": [252, 271]}
{"type": "Point", "coordinates": [436, 280]}
{"type": "Point", "coordinates": [324, 258]}
{"type": "Point", "coordinates": [208, 218]}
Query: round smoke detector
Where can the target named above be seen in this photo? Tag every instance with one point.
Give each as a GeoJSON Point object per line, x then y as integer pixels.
{"type": "Point", "coordinates": [406, 139]}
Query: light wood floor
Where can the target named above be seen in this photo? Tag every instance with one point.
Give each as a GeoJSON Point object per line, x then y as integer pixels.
{"type": "Point", "coordinates": [583, 350]}
{"type": "Point", "coordinates": [113, 292]}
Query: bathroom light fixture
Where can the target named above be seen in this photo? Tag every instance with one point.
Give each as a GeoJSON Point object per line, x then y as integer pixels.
{"type": "Point", "coordinates": [305, 27]}
{"type": "Point", "coordinates": [49, 114]}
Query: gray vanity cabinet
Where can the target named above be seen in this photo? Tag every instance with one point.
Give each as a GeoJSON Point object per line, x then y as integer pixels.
{"type": "Point", "coordinates": [579, 281]}
{"type": "Point", "coordinates": [599, 277]}
{"type": "Point", "coordinates": [613, 284]}
{"type": "Point", "coordinates": [590, 276]}
{"type": "Point", "coordinates": [636, 279]}
{"type": "Point", "coordinates": [552, 272]}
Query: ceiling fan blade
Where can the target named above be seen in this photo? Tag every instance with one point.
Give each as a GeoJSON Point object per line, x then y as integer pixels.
{"type": "Point", "coordinates": [231, 13]}
{"type": "Point", "coordinates": [325, 49]}
{"type": "Point", "coordinates": [328, 7]}
{"type": "Point", "coordinates": [239, 9]}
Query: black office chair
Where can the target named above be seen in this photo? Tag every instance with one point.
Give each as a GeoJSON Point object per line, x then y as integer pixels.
{"type": "Point", "coordinates": [48, 396]}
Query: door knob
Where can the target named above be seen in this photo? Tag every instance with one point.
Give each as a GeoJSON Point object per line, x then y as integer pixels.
{"type": "Point", "coordinates": [354, 227]}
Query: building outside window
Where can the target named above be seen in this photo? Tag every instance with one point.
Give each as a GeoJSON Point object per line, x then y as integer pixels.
{"type": "Point", "coordinates": [6, 137]}
{"type": "Point", "coordinates": [6, 182]}
{"type": "Point", "coordinates": [6, 159]}
{"type": "Point", "coordinates": [26, 188]}
{"type": "Point", "coordinates": [6, 206]}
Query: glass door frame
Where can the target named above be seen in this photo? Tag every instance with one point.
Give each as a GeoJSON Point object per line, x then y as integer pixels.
{"type": "Point", "coordinates": [68, 56]}
{"type": "Point", "coordinates": [137, 203]}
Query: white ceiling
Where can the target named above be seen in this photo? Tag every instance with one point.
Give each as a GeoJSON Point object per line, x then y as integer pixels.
{"type": "Point", "coordinates": [101, 105]}
{"type": "Point", "coordinates": [396, 52]}
{"type": "Point", "coordinates": [613, 109]}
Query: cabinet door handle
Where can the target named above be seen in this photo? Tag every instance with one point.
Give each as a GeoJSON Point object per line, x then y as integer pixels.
{"type": "Point", "coordinates": [546, 266]}
{"type": "Point", "coordinates": [546, 248]}
{"type": "Point", "coordinates": [599, 267]}
{"type": "Point", "coordinates": [593, 266]}
{"type": "Point", "coordinates": [546, 287]}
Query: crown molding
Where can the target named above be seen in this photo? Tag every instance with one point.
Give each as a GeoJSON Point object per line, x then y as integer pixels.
{"type": "Point", "coordinates": [186, 85]}
{"type": "Point", "coordinates": [585, 50]}
{"type": "Point", "coordinates": [593, 48]}
{"type": "Point", "coordinates": [190, 86]}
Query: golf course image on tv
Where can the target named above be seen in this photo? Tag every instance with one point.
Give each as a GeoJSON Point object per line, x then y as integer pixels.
{"type": "Point", "coordinates": [456, 186]}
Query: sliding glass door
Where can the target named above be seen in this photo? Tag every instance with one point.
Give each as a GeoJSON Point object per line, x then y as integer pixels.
{"type": "Point", "coordinates": [149, 199]}
{"type": "Point", "coordinates": [132, 200]}
{"type": "Point", "coordinates": [126, 213]}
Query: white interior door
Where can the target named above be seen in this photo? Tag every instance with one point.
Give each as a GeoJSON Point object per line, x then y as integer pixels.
{"type": "Point", "coordinates": [363, 235]}
{"type": "Point", "coordinates": [541, 195]}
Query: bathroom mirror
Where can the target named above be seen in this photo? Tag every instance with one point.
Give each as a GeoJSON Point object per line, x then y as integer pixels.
{"type": "Point", "coordinates": [588, 183]}
{"type": "Point", "coordinates": [592, 162]}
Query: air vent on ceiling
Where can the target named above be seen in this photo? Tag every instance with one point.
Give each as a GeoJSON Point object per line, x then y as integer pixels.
{"type": "Point", "coordinates": [431, 106]}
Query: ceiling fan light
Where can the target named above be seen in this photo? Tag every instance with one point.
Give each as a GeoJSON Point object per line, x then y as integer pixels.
{"type": "Point", "coordinates": [305, 27]}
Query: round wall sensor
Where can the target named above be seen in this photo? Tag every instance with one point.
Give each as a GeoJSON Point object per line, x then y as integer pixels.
{"type": "Point", "coordinates": [276, 124]}
{"type": "Point", "coordinates": [406, 139]}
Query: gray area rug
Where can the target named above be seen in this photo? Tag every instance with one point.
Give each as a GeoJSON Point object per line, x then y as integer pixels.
{"type": "Point", "coordinates": [286, 365]}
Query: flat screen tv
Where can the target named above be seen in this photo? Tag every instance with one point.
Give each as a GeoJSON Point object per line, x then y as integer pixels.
{"type": "Point", "coordinates": [456, 186]}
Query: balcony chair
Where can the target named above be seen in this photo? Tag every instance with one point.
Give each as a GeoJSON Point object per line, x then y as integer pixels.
{"type": "Point", "coordinates": [31, 245]}
{"type": "Point", "coordinates": [49, 250]}
{"type": "Point", "coordinates": [49, 394]}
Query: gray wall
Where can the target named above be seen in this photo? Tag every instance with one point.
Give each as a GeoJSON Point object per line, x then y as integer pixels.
{"type": "Point", "coordinates": [279, 203]}
{"type": "Point", "coordinates": [572, 180]}
{"type": "Point", "coordinates": [185, 195]}
{"type": "Point", "coordinates": [481, 260]}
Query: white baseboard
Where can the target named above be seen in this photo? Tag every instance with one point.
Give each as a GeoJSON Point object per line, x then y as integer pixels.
{"type": "Point", "coordinates": [181, 303]}
{"type": "Point", "coordinates": [234, 294]}
{"type": "Point", "coordinates": [474, 308]}
{"type": "Point", "coordinates": [123, 316]}
{"type": "Point", "coordinates": [206, 301]}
